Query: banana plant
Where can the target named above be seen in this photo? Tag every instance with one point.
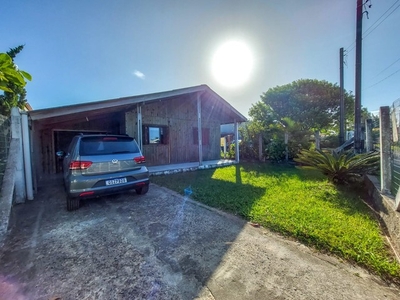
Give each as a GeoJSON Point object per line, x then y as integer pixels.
{"type": "Point", "coordinates": [9, 73]}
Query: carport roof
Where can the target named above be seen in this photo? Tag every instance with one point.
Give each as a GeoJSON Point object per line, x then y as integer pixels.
{"type": "Point", "coordinates": [126, 103]}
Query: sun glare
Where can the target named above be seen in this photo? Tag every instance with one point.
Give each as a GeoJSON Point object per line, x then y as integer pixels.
{"type": "Point", "coordinates": [232, 64]}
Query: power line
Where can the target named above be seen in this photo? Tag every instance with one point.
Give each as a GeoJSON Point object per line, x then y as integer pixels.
{"type": "Point", "coordinates": [387, 67]}
{"type": "Point", "coordinates": [366, 33]}
{"type": "Point", "coordinates": [371, 29]}
{"type": "Point", "coordinates": [351, 49]}
{"type": "Point", "coordinates": [364, 9]}
{"type": "Point", "coordinates": [381, 16]}
{"type": "Point", "coordinates": [382, 80]}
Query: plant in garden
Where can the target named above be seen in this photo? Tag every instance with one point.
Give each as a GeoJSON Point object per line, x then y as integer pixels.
{"type": "Point", "coordinates": [9, 73]}
{"type": "Point", "coordinates": [12, 82]}
{"type": "Point", "coordinates": [230, 154]}
{"type": "Point", "coordinates": [275, 150]}
{"type": "Point", "coordinates": [312, 104]}
{"type": "Point", "coordinates": [339, 167]}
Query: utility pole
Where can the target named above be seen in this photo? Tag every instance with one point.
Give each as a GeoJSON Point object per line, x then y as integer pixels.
{"type": "Point", "coordinates": [357, 103]}
{"type": "Point", "coordinates": [342, 130]}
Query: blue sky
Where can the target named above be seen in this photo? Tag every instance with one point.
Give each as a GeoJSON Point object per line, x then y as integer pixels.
{"type": "Point", "coordinates": [90, 50]}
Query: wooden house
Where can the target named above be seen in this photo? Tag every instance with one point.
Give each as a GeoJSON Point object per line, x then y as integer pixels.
{"type": "Point", "coordinates": [171, 127]}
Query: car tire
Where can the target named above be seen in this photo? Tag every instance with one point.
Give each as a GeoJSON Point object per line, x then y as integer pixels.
{"type": "Point", "coordinates": [143, 190]}
{"type": "Point", "coordinates": [72, 203]}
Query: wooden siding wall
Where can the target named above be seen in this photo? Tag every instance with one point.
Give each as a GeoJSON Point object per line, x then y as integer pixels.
{"type": "Point", "coordinates": [183, 118]}
{"type": "Point", "coordinates": [47, 155]}
{"type": "Point", "coordinates": [180, 117]}
{"type": "Point", "coordinates": [131, 123]}
{"type": "Point", "coordinates": [211, 118]}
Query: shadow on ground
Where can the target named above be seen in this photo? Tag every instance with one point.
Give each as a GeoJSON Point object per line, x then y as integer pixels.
{"type": "Point", "coordinates": [162, 246]}
{"type": "Point", "coordinates": [125, 246]}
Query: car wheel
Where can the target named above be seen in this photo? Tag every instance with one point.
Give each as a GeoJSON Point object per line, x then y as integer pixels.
{"type": "Point", "coordinates": [143, 190]}
{"type": "Point", "coordinates": [72, 203]}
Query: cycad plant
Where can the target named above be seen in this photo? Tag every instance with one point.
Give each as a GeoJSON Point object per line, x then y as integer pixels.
{"type": "Point", "coordinates": [340, 167]}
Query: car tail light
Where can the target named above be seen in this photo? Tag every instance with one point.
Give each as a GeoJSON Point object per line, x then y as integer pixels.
{"type": "Point", "coordinates": [86, 194]}
{"type": "Point", "coordinates": [139, 159]}
{"type": "Point", "coordinates": [110, 139]}
{"type": "Point", "coordinates": [79, 165]}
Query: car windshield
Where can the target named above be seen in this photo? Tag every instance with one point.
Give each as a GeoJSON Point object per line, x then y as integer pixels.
{"type": "Point", "coordinates": [107, 145]}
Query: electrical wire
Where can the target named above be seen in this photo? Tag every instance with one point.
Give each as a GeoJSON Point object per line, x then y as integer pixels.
{"type": "Point", "coordinates": [387, 68]}
{"type": "Point", "coordinates": [382, 80]}
{"type": "Point", "coordinates": [351, 49]}
{"type": "Point", "coordinates": [366, 33]}
{"type": "Point", "coordinates": [353, 45]}
{"type": "Point", "coordinates": [369, 30]}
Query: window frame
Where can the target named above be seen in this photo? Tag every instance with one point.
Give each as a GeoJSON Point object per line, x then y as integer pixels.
{"type": "Point", "coordinates": [163, 130]}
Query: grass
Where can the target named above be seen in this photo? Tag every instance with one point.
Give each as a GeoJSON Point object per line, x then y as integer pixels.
{"type": "Point", "coordinates": [296, 203]}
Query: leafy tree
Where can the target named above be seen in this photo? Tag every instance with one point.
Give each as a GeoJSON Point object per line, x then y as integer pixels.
{"type": "Point", "coordinates": [365, 114]}
{"type": "Point", "coordinates": [12, 82]}
{"type": "Point", "coordinates": [250, 134]}
{"type": "Point", "coordinates": [263, 115]}
{"type": "Point", "coordinates": [312, 104]}
{"type": "Point", "coordinates": [259, 128]}
{"type": "Point", "coordinates": [282, 137]}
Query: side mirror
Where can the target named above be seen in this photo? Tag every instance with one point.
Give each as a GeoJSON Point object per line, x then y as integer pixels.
{"type": "Point", "coordinates": [60, 154]}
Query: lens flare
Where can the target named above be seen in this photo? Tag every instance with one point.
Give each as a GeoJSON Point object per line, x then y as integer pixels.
{"type": "Point", "coordinates": [232, 64]}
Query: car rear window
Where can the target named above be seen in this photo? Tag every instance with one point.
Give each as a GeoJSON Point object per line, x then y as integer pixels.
{"type": "Point", "coordinates": [107, 145]}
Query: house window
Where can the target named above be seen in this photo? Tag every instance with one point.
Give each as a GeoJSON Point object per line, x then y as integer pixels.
{"type": "Point", "coordinates": [205, 136]}
{"type": "Point", "coordinates": [154, 134]}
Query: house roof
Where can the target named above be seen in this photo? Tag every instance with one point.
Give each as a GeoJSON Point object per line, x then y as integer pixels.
{"type": "Point", "coordinates": [69, 112]}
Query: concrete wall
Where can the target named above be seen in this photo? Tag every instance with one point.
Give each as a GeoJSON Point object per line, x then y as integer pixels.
{"type": "Point", "coordinates": [384, 206]}
{"type": "Point", "coordinates": [7, 189]}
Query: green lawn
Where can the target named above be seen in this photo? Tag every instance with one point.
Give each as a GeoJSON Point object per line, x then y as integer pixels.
{"type": "Point", "coordinates": [297, 203]}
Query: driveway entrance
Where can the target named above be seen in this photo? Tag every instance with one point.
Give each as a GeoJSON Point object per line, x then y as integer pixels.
{"type": "Point", "coordinates": [162, 246]}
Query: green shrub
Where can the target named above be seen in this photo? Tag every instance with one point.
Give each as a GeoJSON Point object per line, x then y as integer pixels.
{"type": "Point", "coordinates": [275, 150]}
{"type": "Point", "coordinates": [330, 141]}
{"type": "Point", "coordinates": [231, 151]}
{"type": "Point", "coordinates": [248, 150]}
{"type": "Point", "coordinates": [342, 167]}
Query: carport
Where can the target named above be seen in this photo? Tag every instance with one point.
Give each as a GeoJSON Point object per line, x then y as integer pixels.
{"type": "Point", "coordinates": [172, 128]}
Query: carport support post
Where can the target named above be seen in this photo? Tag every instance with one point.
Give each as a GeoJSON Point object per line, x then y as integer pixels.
{"type": "Point", "coordinates": [236, 142]}
{"type": "Point", "coordinates": [20, 194]}
{"type": "Point", "coordinates": [139, 129]}
{"type": "Point", "coordinates": [27, 156]}
{"type": "Point", "coordinates": [199, 129]}
{"type": "Point", "coordinates": [385, 140]}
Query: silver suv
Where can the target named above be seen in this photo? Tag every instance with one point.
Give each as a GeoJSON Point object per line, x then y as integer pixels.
{"type": "Point", "coordinates": [102, 164]}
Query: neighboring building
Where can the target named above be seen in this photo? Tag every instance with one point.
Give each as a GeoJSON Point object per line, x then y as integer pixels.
{"type": "Point", "coordinates": [166, 126]}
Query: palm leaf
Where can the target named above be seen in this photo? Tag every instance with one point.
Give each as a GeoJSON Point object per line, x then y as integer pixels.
{"type": "Point", "coordinates": [339, 167]}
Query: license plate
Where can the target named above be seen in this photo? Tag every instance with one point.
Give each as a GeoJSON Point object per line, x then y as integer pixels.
{"type": "Point", "coordinates": [116, 181]}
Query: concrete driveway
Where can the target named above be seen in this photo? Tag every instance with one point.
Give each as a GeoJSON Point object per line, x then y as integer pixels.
{"type": "Point", "coordinates": [163, 246]}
